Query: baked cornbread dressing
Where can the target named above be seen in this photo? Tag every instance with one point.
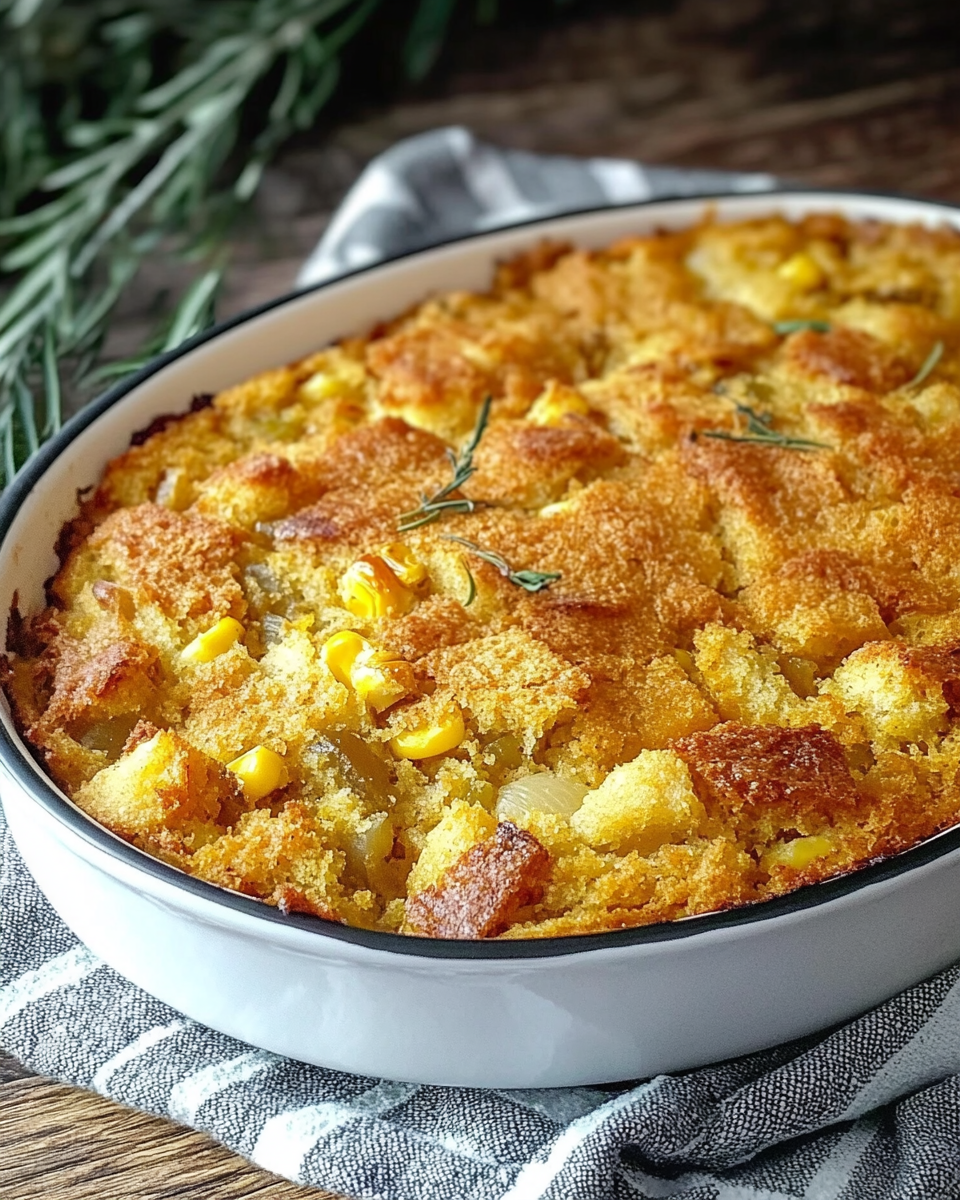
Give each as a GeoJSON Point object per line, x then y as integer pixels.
{"type": "Point", "coordinates": [671, 625]}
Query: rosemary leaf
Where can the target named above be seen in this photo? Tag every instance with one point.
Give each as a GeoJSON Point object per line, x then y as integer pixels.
{"type": "Point", "coordinates": [195, 309]}
{"type": "Point", "coordinates": [426, 36]}
{"type": "Point", "coordinates": [530, 581]}
{"type": "Point", "coordinates": [7, 440]}
{"type": "Point", "coordinates": [929, 365]}
{"type": "Point", "coordinates": [759, 430]}
{"type": "Point", "coordinates": [131, 126]}
{"type": "Point", "coordinates": [432, 508]}
{"type": "Point", "coordinates": [798, 325]}
{"type": "Point", "coordinates": [28, 421]}
{"type": "Point", "coordinates": [51, 384]}
{"type": "Point", "coordinates": [471, 587]}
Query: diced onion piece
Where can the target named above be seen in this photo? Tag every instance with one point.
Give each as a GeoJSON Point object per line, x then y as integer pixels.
{"type": "Point", "coordinates": [370, 843]}
{"type": "Point", "coordinates": [545, 793]}
{"type": "Point", "coordinates": [274, 627]}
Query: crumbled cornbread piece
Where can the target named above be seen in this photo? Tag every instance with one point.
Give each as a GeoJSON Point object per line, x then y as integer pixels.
{"type": "Point", "coordinates": [671, 528]}
{"type": "Point", "coordinates": [641, 805]}
{"type": "Point", "coordinates": [484, 890]}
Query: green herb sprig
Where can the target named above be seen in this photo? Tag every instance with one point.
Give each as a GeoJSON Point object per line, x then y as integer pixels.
{"type": "Point", "coordinates": [135, 128]}
{"type": "Point", "coordinates": [760, 431]}
{"type": "Point", "coordinates": [799, 324]}
{"type": "Point", "coordinates": [530, 581]}
{"type": "Point", "coordinates": [432, 508]}
{"type": "Point", "coordinates": [471, 587]}
{"type": "Point", "coordinates": [136, 159]}
{"type": "Point", "coordinates": [928, 366]}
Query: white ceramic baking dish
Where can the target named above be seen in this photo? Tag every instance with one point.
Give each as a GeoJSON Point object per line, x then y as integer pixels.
{"type": "Point", "coordinates": [540, 1013]}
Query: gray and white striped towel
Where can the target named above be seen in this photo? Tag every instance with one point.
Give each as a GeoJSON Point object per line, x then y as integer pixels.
{"type": "Point", "coordinates": [869, 1111]}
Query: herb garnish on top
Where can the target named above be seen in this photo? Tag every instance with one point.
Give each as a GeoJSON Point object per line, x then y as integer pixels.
{"type": "Point", "coordinates": [798, 324]}
{"type": "Point", "coordinates": [433, 507]}
{"type": "Point", "coordinates": [530, 581]}
{"type": "Point", "coordinates": [759, 430]}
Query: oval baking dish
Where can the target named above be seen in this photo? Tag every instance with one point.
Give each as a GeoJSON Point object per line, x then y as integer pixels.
{"type": "Point", "coordinates": [516, 1013]}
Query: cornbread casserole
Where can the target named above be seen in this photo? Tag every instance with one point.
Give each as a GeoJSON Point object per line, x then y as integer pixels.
{"type": "Point", "coordinates": [685, 634]}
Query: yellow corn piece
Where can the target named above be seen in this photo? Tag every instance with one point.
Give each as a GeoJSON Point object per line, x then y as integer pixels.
{"type": "Point", "coordinates": [343, 378]}
{"type": "Point", "coordinates": [322, 386]}
{"type": "Point", "coordinates": [371, 590]}
{"type": "Point", "coordinates": [801, 852]}
{"type": "Point", "coordinates": [555, 509]}
{"type": "Point", "coordinates": [260, 771]}
{"type": "Point", "coordinates": [685, 659]}
{"type": "Point", "coordinates": [404, 564]}
{"type": "Point", "coordinates": [375, 675]}
{"type": "Point", "coordinates": [801, 271]}
{"type": "Point", "coordinates": [554, 403]}
{"type": "Point", "coordinates": [205, 647]}
{"type": "Point", "coordinates": [440, 737]}
{"type": "Point", "coordinates": [380, 678]}
{"type": "Point", "coordinates": [340, 651]}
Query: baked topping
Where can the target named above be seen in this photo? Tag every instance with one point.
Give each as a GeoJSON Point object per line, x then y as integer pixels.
{"type": "Point", "coordinates": [626, 591]}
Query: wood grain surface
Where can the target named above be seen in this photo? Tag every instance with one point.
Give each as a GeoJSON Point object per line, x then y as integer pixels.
{"type": "Point", "coordinates": [863, 95]}
{"type": "Point", "coordinates": [60, 1142]}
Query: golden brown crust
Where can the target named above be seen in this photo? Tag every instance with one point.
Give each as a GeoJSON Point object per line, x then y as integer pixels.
{"type": "Point", "coordinates": [482, 893]}
{"type": "Point", "coordinates": [184, 564]}
{"type": "Point", "coordinates": [799, 773]}
{"type": "Point", "coordinates": [741, 540]}
{"type": "Point", "coordinates": [847, 356]}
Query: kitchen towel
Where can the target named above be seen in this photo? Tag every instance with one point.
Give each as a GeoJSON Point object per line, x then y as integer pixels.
{"type": "Point", "coordinates": [867, 1111]}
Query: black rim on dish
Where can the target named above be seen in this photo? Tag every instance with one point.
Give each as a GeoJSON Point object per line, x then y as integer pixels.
{"type": "Point", "coordinates": [41, 789]}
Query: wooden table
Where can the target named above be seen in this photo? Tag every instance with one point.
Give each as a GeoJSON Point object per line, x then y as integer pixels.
{"type": "Point", "coordinates": [800, 90]}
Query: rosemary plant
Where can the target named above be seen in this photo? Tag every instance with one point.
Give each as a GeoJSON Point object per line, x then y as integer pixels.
{"type": "Point", "coordinates": [131, 127]}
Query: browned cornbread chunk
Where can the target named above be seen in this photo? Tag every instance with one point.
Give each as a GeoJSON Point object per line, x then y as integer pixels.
{"type": "Point", "coordinates": [484, 890]}
{"type": "Point", "coordinates": [698, 643]}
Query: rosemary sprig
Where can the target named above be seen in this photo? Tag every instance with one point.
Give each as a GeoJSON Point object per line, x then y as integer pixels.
{"type": "Point", "coordinates": [530, 581]}
{"type": "Point", "coordinates": [760, 431]}
{"type": "Point", "coordinates": [798, 325]}
{"type": "Point", "coordinates": [432, 508]}
{"type": "Point", "coordinates": [471, 587]}
{"type": "Point", "coordinates": [928, 367]}
{"type": "Point", "coordinates": [134, 128]}
{"type": "Point", "coordinates": [103, 161]}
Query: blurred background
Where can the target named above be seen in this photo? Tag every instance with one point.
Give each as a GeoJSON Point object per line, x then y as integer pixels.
{"type": "Point", "coordinates": [162, 162]}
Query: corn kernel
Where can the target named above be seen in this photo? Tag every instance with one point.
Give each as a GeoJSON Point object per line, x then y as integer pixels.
{"type": "Point", "coordinates": [801, 271]}
{"type": "Point", "coordinates": [321, 386]}
{"type": "Point", "coordinates": [174, 489]}
{"type": "Point", "coordinates": [370, 589]}
{"type": "Point", "coordinates": [440, 737]}
{"type": "Point", "coordinates": [557, 509]}
{"type": "Point", "coordinates": [404, 564]}
{"type": "Point", "coordinates": [260, 771]}
{"type": "Point", "coordinates": [375, 675]}
{"type": "Point", "coordinates": [554, 403]}
{"type": "Point", "coordinates": [340, 652]}
{"type": "Point", "coordinates": [205, 647]}
{"type": "Point", "coordinates": [113, 598]}
{"type": "Point", "coordinates": [685, 659]}
{"type": "Point", "coordinates": [801, 852]}
{"type": "Point", "coordinates": [344, 379]}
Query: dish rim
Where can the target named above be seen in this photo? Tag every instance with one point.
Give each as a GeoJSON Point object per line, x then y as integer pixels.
{"type": "Point", "coordinates": [29, 773]}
